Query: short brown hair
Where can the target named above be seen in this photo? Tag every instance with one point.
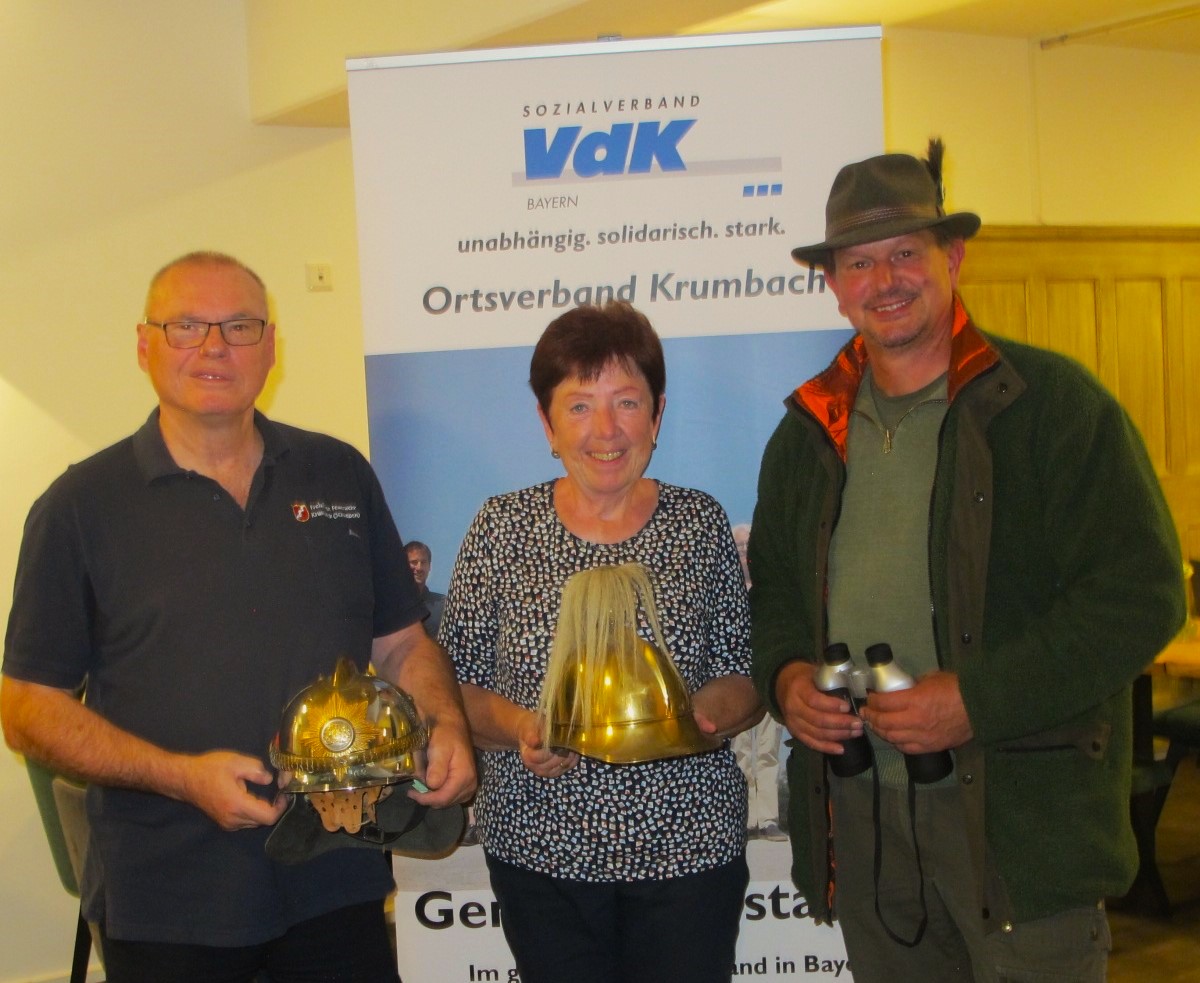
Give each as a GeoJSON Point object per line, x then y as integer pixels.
{"type": "Point", "coordinates": [416, 544]}
{"type": "Point", "coordinates": [583, 341]}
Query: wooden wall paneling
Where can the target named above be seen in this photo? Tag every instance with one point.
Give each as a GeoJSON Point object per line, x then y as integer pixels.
{"type": "Point", "coordinates": [1107, 365]}
{"type": "Point", "coordinates": [1070, 325]}
{"type": "Point", "coordinates": [1139, 340]}
{"type": "Point", "coordinates": [999, 306]}
{"type": "Point", "coordinates": [1184, 376]}
{"type": "Point", "coordinates": [1126, 303]}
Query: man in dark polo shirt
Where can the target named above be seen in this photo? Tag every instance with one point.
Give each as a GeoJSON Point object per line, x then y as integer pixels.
{"type": "Point", "coordinates": [196, 576]}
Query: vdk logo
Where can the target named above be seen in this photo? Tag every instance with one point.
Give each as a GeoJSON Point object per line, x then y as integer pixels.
{"type": "Point", "coordinates": [616, 151]}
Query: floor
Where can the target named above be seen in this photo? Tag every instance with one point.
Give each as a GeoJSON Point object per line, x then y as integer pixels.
{"type": "Point", "coordinates": [1153, 950]}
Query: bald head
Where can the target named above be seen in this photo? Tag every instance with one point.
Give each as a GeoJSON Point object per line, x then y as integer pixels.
{"type": "Point", "coordinates": [200, 258]}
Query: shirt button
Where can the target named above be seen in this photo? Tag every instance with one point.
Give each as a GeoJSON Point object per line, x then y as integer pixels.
{"type": "Point", "coordinates": [968, 779]}
{"type": "Point", "coordinates": [978, 496]}
{"type": "Point", "coordinates": [966, 638]}
{"type": "Point", "coordinates": [1007, 927]}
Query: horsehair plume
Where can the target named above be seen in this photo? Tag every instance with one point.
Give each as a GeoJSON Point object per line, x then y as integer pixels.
{"type": "Point", "coordinates": [597, 622]}
{"type": "Point", "coordinates": [933, 163]}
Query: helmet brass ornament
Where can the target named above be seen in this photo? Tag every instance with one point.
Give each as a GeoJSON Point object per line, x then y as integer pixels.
{"type": "Point", "coordinates": [350, 731]}
{"type": "Point", "coordinates": [608, 693]}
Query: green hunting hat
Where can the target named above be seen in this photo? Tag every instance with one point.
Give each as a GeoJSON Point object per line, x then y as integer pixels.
{"type": "Point", "coordinates": [882, 197]}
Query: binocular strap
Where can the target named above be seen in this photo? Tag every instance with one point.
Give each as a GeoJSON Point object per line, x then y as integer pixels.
{"type": "Point", "coordinates": [912, 821]}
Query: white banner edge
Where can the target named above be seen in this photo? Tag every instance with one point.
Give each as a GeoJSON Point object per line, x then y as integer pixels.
{"type": "Point", "coordinates": [615, 46]}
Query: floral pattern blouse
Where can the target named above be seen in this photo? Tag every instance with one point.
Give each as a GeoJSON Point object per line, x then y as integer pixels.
{"type": "Point", "coordinates": [601, 822]}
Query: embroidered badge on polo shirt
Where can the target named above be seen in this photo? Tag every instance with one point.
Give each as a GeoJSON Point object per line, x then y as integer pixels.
{"type": "Point", "coordinates": [303, 511]}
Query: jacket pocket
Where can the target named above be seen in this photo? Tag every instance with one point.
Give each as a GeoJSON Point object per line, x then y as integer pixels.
{"type": "Point", "coordinates": [1090, 738]}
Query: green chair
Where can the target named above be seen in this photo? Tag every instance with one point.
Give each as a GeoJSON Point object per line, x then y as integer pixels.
{"type": "Point", "coordinates": [63, 810]}
{"type": "Point", "coordinates": [60, 805]}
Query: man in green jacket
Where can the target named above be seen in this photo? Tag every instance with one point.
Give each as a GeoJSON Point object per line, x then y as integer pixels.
{"type": "Point", "coordinates": [988, 510]}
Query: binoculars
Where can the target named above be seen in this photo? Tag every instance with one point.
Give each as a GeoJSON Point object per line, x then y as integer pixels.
{"type": "Point", "coordinates": [838, 676]}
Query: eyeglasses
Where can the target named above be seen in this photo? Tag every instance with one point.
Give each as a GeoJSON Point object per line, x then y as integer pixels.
{"type": "Point", "coordinates": [192, 334]}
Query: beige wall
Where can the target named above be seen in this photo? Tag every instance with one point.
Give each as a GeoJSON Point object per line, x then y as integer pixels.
{"type": "Point", "coordinates": [298, 48]}
{"type": "Point", "coordinates": [1073, 135]}
{"type": "Point", "coordinates": [949, 86]}
{"type": "Point", "coordinates": [128, 140]}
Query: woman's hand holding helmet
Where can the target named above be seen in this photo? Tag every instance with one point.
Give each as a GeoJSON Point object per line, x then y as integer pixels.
{"type": "Point", "coordinates": [543, 761]}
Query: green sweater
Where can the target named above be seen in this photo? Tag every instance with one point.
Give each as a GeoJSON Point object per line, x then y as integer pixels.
{"type": "Point", "coordinates": [1056, 579]}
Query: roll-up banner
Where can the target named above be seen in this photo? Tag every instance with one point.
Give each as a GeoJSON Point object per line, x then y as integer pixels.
{"type": "Point", "coordinates": [496, 189]}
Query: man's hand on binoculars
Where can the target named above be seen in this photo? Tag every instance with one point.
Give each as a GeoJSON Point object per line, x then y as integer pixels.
{"type": "Point", "coordinates": [928, 717]}
{"type": "Point", "coordinates": [818, 720]}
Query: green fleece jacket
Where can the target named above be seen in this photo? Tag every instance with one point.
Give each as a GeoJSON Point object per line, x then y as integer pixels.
{"type": "Point", "coordinates": [1056, 578]}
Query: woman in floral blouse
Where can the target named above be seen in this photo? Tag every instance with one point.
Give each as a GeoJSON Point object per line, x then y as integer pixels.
{"type": "Point", "coordinates": [605, 872]}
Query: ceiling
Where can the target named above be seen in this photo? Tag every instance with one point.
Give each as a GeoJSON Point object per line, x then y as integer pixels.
{"type": "Point", "coordinates": [1167, 26]}
{"type": "Point", "coordinates": [1150, 24]}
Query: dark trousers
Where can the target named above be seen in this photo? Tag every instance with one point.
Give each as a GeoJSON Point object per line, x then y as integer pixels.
{"type": "Point", "coordinates": [684, 928]}
{"type": "Point", "coordinates": [1070, 946]}
{"type": "Point", "coordinates": [349, 945]}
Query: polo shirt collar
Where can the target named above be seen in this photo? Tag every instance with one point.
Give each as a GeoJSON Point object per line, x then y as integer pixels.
{"type": "Point", "coordinates": [155, 461]}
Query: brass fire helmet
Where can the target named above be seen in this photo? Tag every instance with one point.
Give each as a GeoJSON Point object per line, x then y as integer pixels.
{"type": "Point", "coordinates": [347, 750]}
{"type": "Point", "coordinates": [608, 694]}
{"type": "Point", "coordinates": [350, 731]}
